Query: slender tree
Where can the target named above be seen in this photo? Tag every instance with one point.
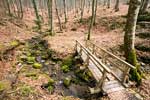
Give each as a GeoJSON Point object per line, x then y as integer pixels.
{"type": "Point", "coordinates": [117, 5]}
{"type": "Point", "coordinates": [38, 21]}
{"type": "Point", "coordinates": [129, 38]}
{"type": "Point", "coordinates": [144, 6]}
{"type": "Point", "coordinates": [108, 3]}
{"type": "Point", "coordinates": [8, 7]}
{"type": "Point", "coordinates": [92, 20]}
{"type": "Point", "coordinates": [82, 10]}
{"type": "Point", "coordinates": [57, 13]}
{"type": "Point", "coordinates": [50, 14]}
{"type": "Point", "coordinates": [95, 12]}
{"type": "Point", "coordinates": [65, 10]}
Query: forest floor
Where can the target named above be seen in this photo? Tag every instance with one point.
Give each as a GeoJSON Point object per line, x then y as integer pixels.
{"type": "Point", "coordinates": [107, 33]}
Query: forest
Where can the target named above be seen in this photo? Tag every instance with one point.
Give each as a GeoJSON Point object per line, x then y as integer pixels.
{"type": "Point", "coordinates": [75, 50]}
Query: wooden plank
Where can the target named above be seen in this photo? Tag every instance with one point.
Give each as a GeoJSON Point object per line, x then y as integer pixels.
{"type": "Point", "coordinates": [114, 89]}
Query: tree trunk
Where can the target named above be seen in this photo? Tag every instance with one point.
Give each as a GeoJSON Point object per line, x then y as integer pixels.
{"type": "Point", "coordinates": [21, 9]}
{"type": "Point", "coordinates": [92, 20]}
{"type": "Point", "coordinates": [95, 12]}
{"type": "Point", "coordinates": [50, 14]}
{"type": "Point", "coordinates": [82, 10]}
{"type": "Point", "coordinates": [57, 13]}
{"type": "Point", "coordinates": [8, 7]}
{"type": "Point", "coordinates": [117, 5]}
{"type": "Point", "coordinates": [129, 38]}
{"type": "Point", "coordinates": [108, 3]}
{"type": "Point", "coordinates": [144, 6]}
{"type": "Point", "coordinates": [38, 22]}
{"type": "Point", "coordinates": [65, 12]}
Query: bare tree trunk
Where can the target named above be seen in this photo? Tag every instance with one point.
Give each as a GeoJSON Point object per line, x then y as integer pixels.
{"type": "Point", "coordinates": [8, 7]}
{"type": "Point", "coordinates": [82, 10]}
{"type": "Point", "coordinates": [117, 5]}
{"type": "Point", "coordinates": [92, 20]}
{"type": "Point", "coordinates": [95, 12]}
{"type": "Point", "coordinates": [50, 14]}
{"type": "Point", "coordinates": [57, 13]}
{"type": "Point", "coordinates": [21, 9]}
{"type": "Point", "coordinates": [144, 6]}
{"type": "Point", "coordinates": [108, 3]}
{"type": "Point", "coordinates": [65, 12]}
{"type": "Point", "coordinates": [129, 38]}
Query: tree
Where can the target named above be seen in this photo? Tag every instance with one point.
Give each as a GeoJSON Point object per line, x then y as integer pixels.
{"type": "Point", "coordinates": [108, 3]}
{"type": "Point", "coordinates": [8, 7]}
{"type": "Point", "coordinates": [95, 12]}
{"type": "Point", "coordinates": [82, 9]}
{"type": "Point", "coordinates": [57, 13]}
{"type": "Point", "coordinates": [50, 14]}
{"type": "Point", "coordinates": [65, 10]}
{"type": "Point", "coordinates": [144, 6]}
{"type": "Point", "coordinates": [117, 5]}
{"type": "Point", "coordinates": [129, 39]}
{"type": "Point", "coordinates": [37, 21]}
{"type": "Point", "coordinates": [92, 20]}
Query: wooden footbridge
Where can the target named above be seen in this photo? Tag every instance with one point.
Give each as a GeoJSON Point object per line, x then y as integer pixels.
{"type": "Point", "coordinates": [110, 72]}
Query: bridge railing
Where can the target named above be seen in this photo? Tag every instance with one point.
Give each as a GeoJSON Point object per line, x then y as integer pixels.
{"type": "Point", "coordinates": [89, 57]}
{"type": "Point", "coordinates": [119, 67]}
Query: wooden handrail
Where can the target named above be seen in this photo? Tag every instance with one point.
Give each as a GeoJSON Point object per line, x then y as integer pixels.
{"type": "Point", "coordinates": [95, 58]}
{"type": "Point", "coordinates": [124, 62]}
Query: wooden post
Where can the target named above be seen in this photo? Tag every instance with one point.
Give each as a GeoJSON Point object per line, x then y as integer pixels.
{"type": "Point", "coordinates": [87, 61]}
{"type": "Point", "coordinates": [101, 82]}
{"type": "Point", "coordinates": [125, 74]}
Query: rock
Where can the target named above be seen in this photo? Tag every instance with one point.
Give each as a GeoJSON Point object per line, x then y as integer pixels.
{"type": "Point", "coordinates": [51, 82]}
{"type": "Point", "coordinates": [67, 81]}
{"type": "Point", "coordinates": [30, 60]}
{"type": "Point", "coordinates": [65, 68]}
{"type": "Point", "coordinates": [37, 65]}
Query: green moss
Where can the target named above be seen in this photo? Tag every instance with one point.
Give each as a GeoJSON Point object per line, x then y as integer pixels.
{"type": "Point", "coordinates": [31, 74]}
{"type": "Point", "coordinates": [51, 82]}
{"type": "Point", "coordinates": [26, 90]}
{"type": "Point", "coordinates": [65, 68]}
{"type": "Point", "coordinates": [14, 43]}
{"type": "Point", "coordinates": [67, 82]}
{"type": "Point", "coordinates": [136, 74]}
{"type": "Point", "coordinates": [37, 65]}
{"type": "Point", "coordinates": [2, 86]}
{"type": "Point", "coordinates": [50, 89]}
{"type": "Point", "coordinates": [30, 60]}
{"type": "Point", "coordinates": [68, 61]}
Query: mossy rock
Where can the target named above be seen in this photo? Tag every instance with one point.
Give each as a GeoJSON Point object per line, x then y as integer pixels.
{"type": "Point", "coordinates": [68, 61]}
{"type": "Point", "coordinates": [26, 90]}
{"type": "Point", "coordinates": [30, 60]}
{"type": "Point", "coordinates": [23, 58]}
{"type": "Point", "coordinates": [50, 89]}
{"type": "Point", "coordinates": [67, 81]}
{"type": "Point", "coordinates": [14, 43]}
{"type": "Point", "coordinates": [31, 74]}
{"type": "Point", "coordinates": [4, 85]}
{"type": "Point", "coordinates": [51, 82]}
{"type": "Point", "coordinates": [37, 65]}
{"type": "Point", "coordinates": [65, 68]}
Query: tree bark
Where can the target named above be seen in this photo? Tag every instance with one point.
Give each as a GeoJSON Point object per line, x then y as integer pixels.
{"type": "Point", "coordinates": [129, 38]}
{"type": "Point", "coordinates": [95, 12]}
{"type": "Point", "coordinates": [92, 20]}
{"type": "Point", "coordinates": [108, 3]}
{"type": "Point", "coordinates": [57, 13]}
{"type": "Point", "coordinates": [144, 6]}
{"type": "Point", "coordinates": [117, 5]}
{"type": "Point", "coordinates": [65, 10]}
{"type": "Point", "coordinates": [38, 22]}
{"type": "Point", "coordinates": [82, 10]}
{"type": "Point", "coordinates": [50, 14]}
